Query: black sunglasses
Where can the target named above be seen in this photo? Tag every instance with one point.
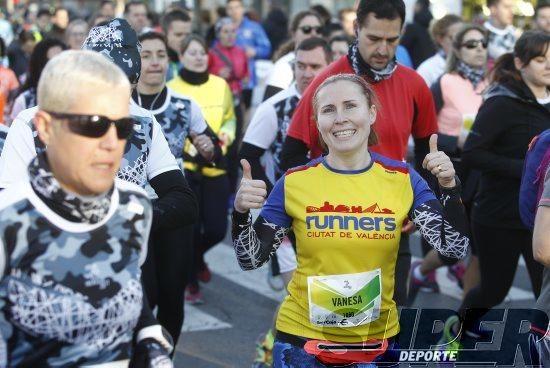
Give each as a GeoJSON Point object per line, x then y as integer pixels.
{"type": "Point", "coordinates": [472, 44]}
{"type": "Point", "coordinates": [308, 29]}
{"type": "Point", "coordinates": [95, 126]}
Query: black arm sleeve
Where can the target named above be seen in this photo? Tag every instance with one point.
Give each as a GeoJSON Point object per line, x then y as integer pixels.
{"type": "Point", "coordinates": [294, 153]}
{"type": "Point", "coordinates": [146, 318]}
{"type": "Point", "coordinates": [146, 329]}
{"type": "Point", "coordinates": [252, 154]}
{"type": "Point", "coordinates": [176, 205]}
{"type": "Point", "coordinates": [444, 224]}
{"type": "Point", "coordinates": [254, 244]}
{"type": "Point", "coordinates": [271, 91]}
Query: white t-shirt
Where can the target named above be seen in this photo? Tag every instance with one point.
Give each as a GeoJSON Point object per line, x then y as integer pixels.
{"type": "Point", "coordinates": [282, 74]}
{"type": "Point", "coordinates": [432, 68]}
{"type": "Point", "coordinates": [269, 126]}
{"type": "Point", "coordinates": [147, 156]}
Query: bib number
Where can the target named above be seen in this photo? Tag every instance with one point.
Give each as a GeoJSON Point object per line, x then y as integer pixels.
{"type": "Point", "coordinates": [345, 300]}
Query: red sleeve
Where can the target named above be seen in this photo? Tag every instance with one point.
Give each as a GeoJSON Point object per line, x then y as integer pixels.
{"type": "Point", "coordinates": [425, 117]}
{"type": "Point", "coordinates": [302, 126]}
{"type": "Point", "coordinates": [213, 65]}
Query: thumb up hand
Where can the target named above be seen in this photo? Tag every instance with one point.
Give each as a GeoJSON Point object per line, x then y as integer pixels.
{"type": "Point", "coordinates": [251, 193]}
{"type": "Point", "coordinates": [433, 144]}
{"type": "Point", "coordinates": [247, 170]}
{"type": "Point", "coordinates": [440, 165]}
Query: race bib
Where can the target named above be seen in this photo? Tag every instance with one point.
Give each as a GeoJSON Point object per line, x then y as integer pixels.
{"type": "Point", "coordinates": [345, 300]}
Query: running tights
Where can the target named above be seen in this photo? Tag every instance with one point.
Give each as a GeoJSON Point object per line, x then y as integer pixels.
{"type": "Point", "coordinates": [212, 194]}
{"type": "Point", "coordinates": [165, 275]}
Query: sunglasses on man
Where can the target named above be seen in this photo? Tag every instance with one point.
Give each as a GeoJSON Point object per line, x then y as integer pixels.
{"type": "Point", "coordinates": [472, 44]}
{"type": "Point", "coordinates": [95, 126]}
{"type": "Point", "coordinates": [308, 29]}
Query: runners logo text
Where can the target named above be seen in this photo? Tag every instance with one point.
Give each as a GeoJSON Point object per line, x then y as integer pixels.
{"type": "Point", "coordinates": [378, 224]}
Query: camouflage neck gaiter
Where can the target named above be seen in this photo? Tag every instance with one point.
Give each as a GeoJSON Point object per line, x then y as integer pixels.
{"type": "Point", "coordinates": [360, 67]}
{"type": "Point", "coordinates": [70, 206]}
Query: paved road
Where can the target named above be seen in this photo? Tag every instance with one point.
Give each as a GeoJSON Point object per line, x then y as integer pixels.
{"type": "Point", "coordinates": [239, 306]}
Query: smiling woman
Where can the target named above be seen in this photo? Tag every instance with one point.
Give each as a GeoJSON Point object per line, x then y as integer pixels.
{"type": "Point", "coordinates": [334, 256]}
{"type": "Point", "coordinates": [345, 123]}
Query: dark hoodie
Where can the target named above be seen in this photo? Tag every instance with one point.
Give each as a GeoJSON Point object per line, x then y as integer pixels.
{"type": "Point", "coordinates": [416, 38]}
{"type": "Point", "coordinates": [508, 119]}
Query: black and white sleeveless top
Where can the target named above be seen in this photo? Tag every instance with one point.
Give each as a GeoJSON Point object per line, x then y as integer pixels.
{"type": "Point", "coordinates": [70, 293]}
{"type": "Point", "coordinates": [178, 117]}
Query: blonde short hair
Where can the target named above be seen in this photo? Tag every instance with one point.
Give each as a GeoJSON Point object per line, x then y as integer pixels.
{"type": "Point", "coordinates": [72, 70]}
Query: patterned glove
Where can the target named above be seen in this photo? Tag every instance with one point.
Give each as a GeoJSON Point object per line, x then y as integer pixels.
{"type": "Point", "coordinates": [153, 348]}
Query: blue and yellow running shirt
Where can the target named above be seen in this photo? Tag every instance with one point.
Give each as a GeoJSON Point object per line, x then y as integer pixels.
{"type": "Point", "coordinates": [347, 226]}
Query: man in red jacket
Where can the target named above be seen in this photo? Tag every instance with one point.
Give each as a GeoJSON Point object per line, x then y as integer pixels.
{"type": "Point", "coordinates": [406, 104]}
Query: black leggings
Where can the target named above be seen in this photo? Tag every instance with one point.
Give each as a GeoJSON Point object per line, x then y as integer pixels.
{"type": "Point", "coordinates": [212, 195]}
{"type": "Point", "coordinates": [498, 250]}
{"type": "Point", "coordinates": [165, 275]}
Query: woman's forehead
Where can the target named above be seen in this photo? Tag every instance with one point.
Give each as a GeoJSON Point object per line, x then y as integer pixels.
{"type": "Point", "coordinates": [340, 90]}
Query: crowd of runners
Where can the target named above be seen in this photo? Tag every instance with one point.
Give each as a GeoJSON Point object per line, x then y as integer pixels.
{"type": "Point", "coordinates": [132, 142]}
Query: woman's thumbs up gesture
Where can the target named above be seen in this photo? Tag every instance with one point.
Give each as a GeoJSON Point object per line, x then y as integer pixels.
{"type": "Point", "coordinates": [440, 165]}
{"type": "Point", "coordinates": [251, 193]}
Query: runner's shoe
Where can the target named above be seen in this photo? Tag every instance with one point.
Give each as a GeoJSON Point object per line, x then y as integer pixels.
{"type": "Point", "coordinates": [456, 273]}
{"type": "Point", "coordinates": [193, 295]}
{"type": "Point", "coordinates": [450, 341]}
{"type": "Point", "coordinates": [264, 351]}
{"type": "Point", "coordinates": [429, 283]}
